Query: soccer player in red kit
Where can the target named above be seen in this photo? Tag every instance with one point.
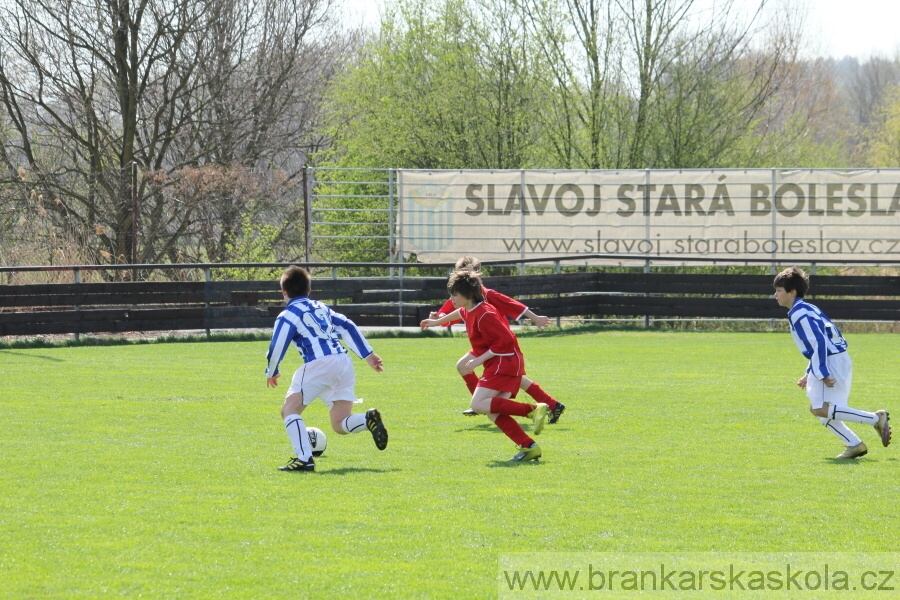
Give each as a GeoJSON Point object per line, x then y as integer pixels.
{"type": "Point", "coordinates": [512, 309]}
{"type": "Point", "coordinates": [495, 347]}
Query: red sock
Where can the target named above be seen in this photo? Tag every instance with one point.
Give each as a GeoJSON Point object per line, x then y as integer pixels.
{"type": "Point", "coordinates": [513, 431]}
{"type": "Point", "coordinates": [535, 391]}
{"type": "Point", "coordinates": [471, 382]}
{"type": "Point", "coordinates": [504, 406]}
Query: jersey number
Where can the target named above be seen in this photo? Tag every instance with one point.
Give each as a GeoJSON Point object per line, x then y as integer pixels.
{"type": "Point", "coordinates": [319, 323]}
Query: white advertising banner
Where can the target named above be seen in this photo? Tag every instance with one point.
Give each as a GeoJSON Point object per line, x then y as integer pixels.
{"type": "Point", "coordinates": [731, 214]}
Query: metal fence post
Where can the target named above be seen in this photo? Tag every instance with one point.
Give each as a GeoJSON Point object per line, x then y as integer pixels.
{"type": "Point", "coordinates": [558, 296]}
{"type": "Point", "coordinates": [208, 273]}
{"type": "Point", "coordinates": [307, 210]}
{"type": "Point", "coordinates": [391, 221]}
{"type": "Point", "coordinates": [647, 295]}
{"type": "Point", "coordinates": [77, 275]}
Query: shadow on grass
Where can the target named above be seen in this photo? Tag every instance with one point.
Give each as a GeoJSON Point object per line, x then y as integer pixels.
{"type": "Point", "coordinates": [491, 427]}
{"type": "Point", "coordinates": [348, 470]}
{"type": "Point", "coordinates": [846, 461]}
{"type": "Point", "coordinates": [50, 358]}
{"type": "Point", "coordinates": [509, 464]}
{"type": "Point", "coordinates": [488, 426]}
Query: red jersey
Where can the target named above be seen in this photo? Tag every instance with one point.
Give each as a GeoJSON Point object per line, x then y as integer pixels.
{"type": "Point", "coordinates": [488, 330]}
{"type": "Point", "coordinates": [504, 304]}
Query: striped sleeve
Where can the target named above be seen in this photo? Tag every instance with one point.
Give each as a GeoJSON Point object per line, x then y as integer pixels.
{"type": "Point", "coordinates": [810, 335]}
{"type": "Point", "coordinates": [351, 335]}
{"type": "Point", "coordinates": [281, 338]}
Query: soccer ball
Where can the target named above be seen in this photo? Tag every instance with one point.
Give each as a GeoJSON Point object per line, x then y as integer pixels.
{"type": "Point", "coordinates": [317, 440]}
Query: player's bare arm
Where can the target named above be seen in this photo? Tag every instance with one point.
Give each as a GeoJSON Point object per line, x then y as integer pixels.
{"type": "Point", "coordinates": [474, 361]}
{"type": "Point", "coordinates": [272, 381]}
{"type": "Point", "coordinates": [539, 320]}
{"type": "Point", "coordinates": [801, 383]}
{"type": "Point", "coordinates": [448, 318]}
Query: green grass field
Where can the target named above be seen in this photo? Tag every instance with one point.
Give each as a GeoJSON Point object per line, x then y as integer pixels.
{"type": "Point", "coordinates": [150, 470]}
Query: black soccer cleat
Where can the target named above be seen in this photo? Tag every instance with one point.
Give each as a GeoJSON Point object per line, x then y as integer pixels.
{"type": "Point", "coordinates": [470, 413]}
{"type": "Point", "coordinates": [556, 413]}
{"type": "Point", "coordinates": [296, 464]}
{"type": "Point", "coordinates": [376, 426]}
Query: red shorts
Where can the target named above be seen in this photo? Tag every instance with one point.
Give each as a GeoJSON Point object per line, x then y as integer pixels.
{"type": "Point", "coordinates": [501, 383]}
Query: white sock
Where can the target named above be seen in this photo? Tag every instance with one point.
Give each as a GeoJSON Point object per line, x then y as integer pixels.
{"type": "Point", "coordinates": [296, 431]}
{"type": "Point", "coordinates": [846, 435]}
{"type": "Point", "coordinates": [845, 413]}
{"type": "Point", "coordinates": [354, 423]}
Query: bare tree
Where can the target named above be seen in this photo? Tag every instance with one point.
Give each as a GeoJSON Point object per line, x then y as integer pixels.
{"type": "Point", "coordinates": [588, 78]}
{"type": "Point", "coordinates": [78, 81]}
{"type": "Point", "coordinates": [647, 80]}
{"type": "Point", "coordinates": [109, 101]}
{"type": "Point", "coordinates": [868, 84]}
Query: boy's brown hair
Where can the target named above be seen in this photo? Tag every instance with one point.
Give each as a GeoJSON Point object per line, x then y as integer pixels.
{"type": "Point", "coordinates": [468, 262]}
{"type": "Point", "coordinates": [295, 281]}
{"type": "Point", "coordinates": [792, 279]}
{"type": "Point", "coordinates": [466, 283]}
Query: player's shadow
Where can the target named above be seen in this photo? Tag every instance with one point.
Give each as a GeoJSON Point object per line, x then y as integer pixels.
{"type": "Point", "coordinates": [486, 426]}
{"type": "Point", "coordinates": [348, 470]}
{"type": "Point", "coordinates": [509, 464]}
{"type": "Point", "coordinates": [50, 358]}
{"type": "Point", "coordinates": [846, 461]}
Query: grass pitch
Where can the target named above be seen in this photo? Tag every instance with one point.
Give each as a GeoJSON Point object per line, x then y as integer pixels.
{"type": "Point", "coordinates": [150, 470]}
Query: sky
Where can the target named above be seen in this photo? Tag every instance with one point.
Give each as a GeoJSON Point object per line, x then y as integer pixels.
{"type": "Point", "coordinates": [860, 28]}
{"type": "Point", "coordinates": [838, 28]}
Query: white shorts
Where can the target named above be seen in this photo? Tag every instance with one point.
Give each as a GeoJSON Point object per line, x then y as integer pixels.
{"type": "Point", "coordinates": [329, 378]}
{"type": "Point", "coordinates": [840, 367]}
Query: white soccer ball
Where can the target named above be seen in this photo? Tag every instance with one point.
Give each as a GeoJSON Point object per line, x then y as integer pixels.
{"type": "Point", "coordinates": [317, 440]}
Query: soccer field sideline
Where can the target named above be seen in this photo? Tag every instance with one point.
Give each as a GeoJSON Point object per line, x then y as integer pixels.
{"type": "Point", "coordinates": [151, 470]}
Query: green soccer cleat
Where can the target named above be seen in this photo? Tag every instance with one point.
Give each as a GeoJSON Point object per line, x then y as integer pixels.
{"type": "Point", "coordinates": [883, 427]}
{"type": "Point", "coordinates": [531, 453]}
{"type": "Point", "coordinates": [539, 417]}
{"type": "Point", "coordinates": [296, 464]}
{"type": "Point", "coordinates": [376, 426]}
{"type": "Point", "coordinates": [854, 451]}
{"type": "Point", "coordinates": [556, 412]}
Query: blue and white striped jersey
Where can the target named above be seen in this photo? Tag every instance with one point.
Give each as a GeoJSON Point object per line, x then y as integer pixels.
{"type": "Point", "coordinates": [815, 335]}
{"type": "Point", "coordinates": [316, 330]}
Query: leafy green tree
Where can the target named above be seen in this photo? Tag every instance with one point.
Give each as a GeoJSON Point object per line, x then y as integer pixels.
{"type": "Point", "coordinates": [448, 85]}
{"type": "Point", "coordinates": [882, 140]}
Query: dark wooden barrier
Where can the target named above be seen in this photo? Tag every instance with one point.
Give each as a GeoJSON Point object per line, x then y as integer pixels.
{"type": "Point", "coordinates": [864, 298]}
{"type": "Point", "coordinates": [162, 306]}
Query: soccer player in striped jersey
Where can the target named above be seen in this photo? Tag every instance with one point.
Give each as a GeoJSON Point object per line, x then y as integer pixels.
{"type": "Point", "coordinates": [496, 349]}
{"type": "Point", "coordinates": [327, 371]}
{"type": "Point", "coordinates": [829, 374]}
{"type": "Point", "coordinates": [510, 308]}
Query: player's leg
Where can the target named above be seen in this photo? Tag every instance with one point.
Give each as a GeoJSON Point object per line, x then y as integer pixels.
{"type": "Point", "coordinates": [854, 447]}
{"type": "Point", "coordinates": [344, 421]}
{"type": "Point", "coordinates": [340, 400]}
{"type": "Point", "coordinates": [483, 399]}
{"type": "Point", "coordinates": [291, 411]}
{"type": "Point", "coordinates": [468, 376]}
{"type": "Point", "coordinates": [486, 401]}
{"type": "Point", "coordinates": [535, 391]}
{"type": "Point", "coordinates": [821, 403]}
{"type": "Point", "coordinates": [832, 402]}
